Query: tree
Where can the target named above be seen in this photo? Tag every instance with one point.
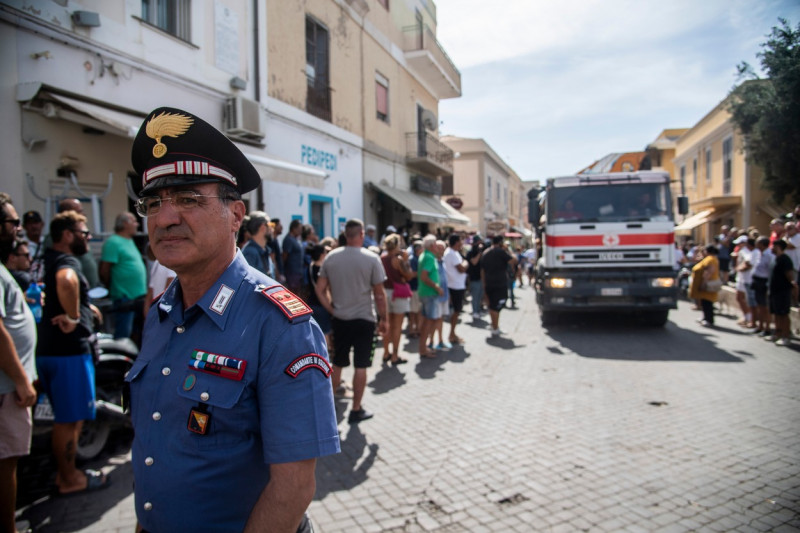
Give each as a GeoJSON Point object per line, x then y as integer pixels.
{"type": "Point", "coordinates": [767, 112]}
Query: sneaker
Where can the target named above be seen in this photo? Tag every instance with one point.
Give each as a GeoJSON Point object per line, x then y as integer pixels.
{"type": "Point", "coordinates": [782, 342]}
{"type": "Point", "coordinates": [706, 324]}
{"type": "Point", "coordinates": [496, 332]}
{"type": "Point", "coordinates": [771, 338]}
{"type": "Point", "coordinates": [359, 416]}
{"type": "Point", "coordinates": [443, 346]}
{"type": "Point", "coordinates": [476, 316]}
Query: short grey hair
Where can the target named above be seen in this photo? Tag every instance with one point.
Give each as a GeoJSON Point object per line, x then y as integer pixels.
{"type": "Point", "coordinates": [429, 241]}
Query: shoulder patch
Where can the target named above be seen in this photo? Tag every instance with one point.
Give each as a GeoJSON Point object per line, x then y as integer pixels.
{"type": "Point", "coordinates": [309, 360]}
{"type": "Point", "coordinates": [289, 303]}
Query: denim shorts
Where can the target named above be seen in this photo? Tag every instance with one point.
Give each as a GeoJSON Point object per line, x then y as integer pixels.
{"type": "Point", "coordinates": [430, 307]}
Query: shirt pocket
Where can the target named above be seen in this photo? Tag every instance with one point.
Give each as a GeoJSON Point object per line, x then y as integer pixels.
{"type": "Point", "coordinates": [224, 400]}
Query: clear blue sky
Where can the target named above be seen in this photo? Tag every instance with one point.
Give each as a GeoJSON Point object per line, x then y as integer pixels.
{"type": "Point", "coordinates": [553, 85]}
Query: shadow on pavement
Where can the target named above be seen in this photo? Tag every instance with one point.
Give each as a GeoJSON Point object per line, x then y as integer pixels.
{"type": "Point", "coordinates": [47, 512]}
{"type": "Point", "coordinates": [348, 469]}
{"type": "Point", "coordinates": [596, 336]}
{"type": "Point", "coordinates": [389, 377]}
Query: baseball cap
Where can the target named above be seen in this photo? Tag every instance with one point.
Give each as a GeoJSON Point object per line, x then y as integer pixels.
{"type": "Point", "coordinates": [741, 239]}
{"type": "Point", "coordinates": [391, 229]}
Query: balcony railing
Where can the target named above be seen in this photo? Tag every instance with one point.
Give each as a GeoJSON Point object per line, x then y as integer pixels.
{"type": "Point", "coordinates": [429, 60]}
{"type": "Point", "coordinates": [426, 153]}
{"type": "Point", "coordinates": [318, 102]}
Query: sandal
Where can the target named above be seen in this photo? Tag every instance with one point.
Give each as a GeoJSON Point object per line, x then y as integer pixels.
{"type": "Point", "coordinates": [95, 481]}
{"type": "Point", "coordinates": [399, 361]}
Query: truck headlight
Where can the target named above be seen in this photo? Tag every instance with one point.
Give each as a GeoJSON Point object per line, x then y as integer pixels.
{"type": "Point", "coordinates": [560, 283]}
{"type": "Point", "coordinates": [662, 283]}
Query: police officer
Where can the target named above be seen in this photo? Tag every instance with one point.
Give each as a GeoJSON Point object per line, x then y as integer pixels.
{"type": "Point", "coordinates": [230, 396]}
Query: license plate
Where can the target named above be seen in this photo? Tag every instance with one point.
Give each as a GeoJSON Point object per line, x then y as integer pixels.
{"type": "Point", "coordinates": [611, 291]}
{"type": "Point", "coordinates": [43, 411]}
{"type": "Point", "coordinates": [611, 256]}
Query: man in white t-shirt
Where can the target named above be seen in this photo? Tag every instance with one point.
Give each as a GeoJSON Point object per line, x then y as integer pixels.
{"type": "Point", "coordinates": [455, 268]}
{"type": "Point", "coordinates": [745, 263]}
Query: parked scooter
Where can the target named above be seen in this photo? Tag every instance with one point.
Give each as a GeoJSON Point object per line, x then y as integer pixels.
{"type": "Point", "coordinates": [114, 359]}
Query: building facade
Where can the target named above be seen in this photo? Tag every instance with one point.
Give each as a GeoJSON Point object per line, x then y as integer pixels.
{"type": "Point", "coordinates": [710, 165]}
{"type": "Point", "coordinates": [490, 193]}
{"type": "Point", "coordinates": [324, 96]}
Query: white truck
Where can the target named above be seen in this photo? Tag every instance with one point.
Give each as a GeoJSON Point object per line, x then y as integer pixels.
{"type": "Point", "coordinates": [607, 245]}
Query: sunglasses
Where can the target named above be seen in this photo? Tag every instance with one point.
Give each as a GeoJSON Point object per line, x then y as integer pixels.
{"type": "Point", "coordinates": [85, 233]}
{"type": "Point", "coordinates": [13, 221]}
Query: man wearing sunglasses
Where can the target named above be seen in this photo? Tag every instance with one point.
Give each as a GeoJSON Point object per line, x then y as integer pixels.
{"type": "Point", "coordinates": [64, 351]}
{"type": "Point", "coordinates": [231, 398]}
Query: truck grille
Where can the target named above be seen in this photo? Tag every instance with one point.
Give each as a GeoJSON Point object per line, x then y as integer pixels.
{"type": "Point", "coordinates": [606, 256]}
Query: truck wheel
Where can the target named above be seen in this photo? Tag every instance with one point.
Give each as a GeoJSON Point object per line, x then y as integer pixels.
{"type": "Point", "coordinates": [656, 318]}
{"type": "Point", "coordinates": [548, 317]}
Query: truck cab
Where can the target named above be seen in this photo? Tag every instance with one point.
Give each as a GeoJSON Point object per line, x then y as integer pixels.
{"type": "Point", "coordinates": [607, 245]}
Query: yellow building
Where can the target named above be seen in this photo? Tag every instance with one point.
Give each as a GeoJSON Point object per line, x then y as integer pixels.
{"type": "Point", "coordinates": [491, 194]}
{"type": "Point", "coordinates": [373, 70]}
{"type": "Point", "coordinates": [723, 188]}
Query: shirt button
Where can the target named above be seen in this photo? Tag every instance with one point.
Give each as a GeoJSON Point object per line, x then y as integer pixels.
{"type": "Point", "coordinates": [156, 416]}
{"type": "Point", "coordinates": [180, 329]}
{"type": "Point", "coordinates": [148, 461]}
{"type": "Point", "coordinates": [148, 506]}
{"type": "Point", "coordinates": [205, 396]}
{"type": "Point", "coordinates": [166, 371]}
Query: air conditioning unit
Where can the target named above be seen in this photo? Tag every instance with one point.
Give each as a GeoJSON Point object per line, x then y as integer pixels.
{"type": "Point", "coordinates": [244, 118]}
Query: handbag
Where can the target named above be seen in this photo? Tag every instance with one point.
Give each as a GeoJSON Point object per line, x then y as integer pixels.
{"type": "Point", "coordinates": [710, 285]}
{"type": "Point", "coordinates": [401, 290]}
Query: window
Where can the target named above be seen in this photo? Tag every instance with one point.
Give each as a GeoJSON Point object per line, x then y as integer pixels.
{"type": "Point", "coordinates": [318, 98]}
{"type": "Point", "coordinates": [727, 165]}
{"type": "Point", "coordinates": [489, 189]}
{"type": "Point", "coordinates": [683, 175]}
{"type": "Point", "coordinates": [172, 16]}
{"type": "Point", "coordinates": [382, 97]}
{"type": "Point", "coordinates": [694, 172]}
{"type": "Point", "coordinates": [708, 166]}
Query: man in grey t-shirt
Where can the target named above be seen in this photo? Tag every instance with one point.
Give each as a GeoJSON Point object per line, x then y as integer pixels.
{"type": "Point", "coordinates": [17, 370]}
{"type": "Point", "coordinates": [354, 276]}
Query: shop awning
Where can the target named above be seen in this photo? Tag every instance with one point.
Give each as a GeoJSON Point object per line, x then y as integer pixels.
{"type": "Point", "coordinates": [279, 171]}
{"type": "Point", "coordinates": [693, 221]}
{"type": "Point", "coordinates": [455, 217]}
{"type": "Point", "coordinates": [423, 208]}
{"type": "Point", "coordinates": [117, 122]}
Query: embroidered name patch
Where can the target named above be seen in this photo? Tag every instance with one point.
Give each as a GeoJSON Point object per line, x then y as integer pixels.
{"type": "Point", "coordinates": [291, 305]}
{"type": "Point", "coordinates": [222, 299]}
{"type": "Point", "coordinates": [219, 365]}
{"type": "Point", "coordinates": [311, 360]}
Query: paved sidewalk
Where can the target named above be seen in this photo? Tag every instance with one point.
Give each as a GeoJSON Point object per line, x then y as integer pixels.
{"type": "Point", "coordinates": [596, 425]}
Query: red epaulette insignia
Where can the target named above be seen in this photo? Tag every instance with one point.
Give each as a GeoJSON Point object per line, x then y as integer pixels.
{"type": "Point", "coordinates": [288, 302]}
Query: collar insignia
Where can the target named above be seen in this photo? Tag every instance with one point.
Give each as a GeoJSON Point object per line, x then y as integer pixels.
{"type": "Point", "coordinates": [166, 125]}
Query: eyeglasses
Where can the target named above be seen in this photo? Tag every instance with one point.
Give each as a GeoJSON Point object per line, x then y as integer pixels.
{"type": "Point", "coordinates": [180, 201]}
{"type": "Point", "coordinates": [13, 221]}
{"type": "Point", "coordinates": [83, 232]}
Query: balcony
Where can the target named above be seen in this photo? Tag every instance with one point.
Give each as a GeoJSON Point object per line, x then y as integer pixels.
{"type": "Point", "coordinates": [430, 63]}
{"type": "Point", "coordinates": [427, 154]}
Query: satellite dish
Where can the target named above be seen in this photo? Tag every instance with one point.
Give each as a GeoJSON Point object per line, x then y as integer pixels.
{"type": "Point", "coordinates": [429, 120]}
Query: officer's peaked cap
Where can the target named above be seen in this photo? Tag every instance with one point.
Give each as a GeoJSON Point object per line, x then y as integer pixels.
{"type": "Point", "coordinates": [174, 147]}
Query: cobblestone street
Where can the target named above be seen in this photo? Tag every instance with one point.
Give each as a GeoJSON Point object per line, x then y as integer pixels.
{"type": "Point", "coordinates": [599, 425]}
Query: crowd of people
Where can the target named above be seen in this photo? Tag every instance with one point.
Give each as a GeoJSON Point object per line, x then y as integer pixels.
{"type": "Point", "coordinates": [763, 269]}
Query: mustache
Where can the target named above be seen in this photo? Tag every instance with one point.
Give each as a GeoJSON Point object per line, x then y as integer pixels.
{"type": "Point", "coordinates": [171, 232]}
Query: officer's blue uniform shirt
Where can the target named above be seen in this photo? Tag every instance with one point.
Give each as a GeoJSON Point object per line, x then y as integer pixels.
{"type": "Point", "coordinates": [204, 438]}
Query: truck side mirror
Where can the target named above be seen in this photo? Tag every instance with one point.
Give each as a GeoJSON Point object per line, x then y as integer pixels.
{"type": "Point", "coordinates": [533, 207]}
{"type": "Point", "coordinates": [683, 205]}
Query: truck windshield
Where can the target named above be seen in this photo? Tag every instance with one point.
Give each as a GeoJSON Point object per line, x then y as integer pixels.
{"type": "Point", "coordinates": [609, 203]}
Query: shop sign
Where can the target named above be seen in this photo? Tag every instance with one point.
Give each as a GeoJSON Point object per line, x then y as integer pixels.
{"type": "Point", "coordinates": [455, 202]}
